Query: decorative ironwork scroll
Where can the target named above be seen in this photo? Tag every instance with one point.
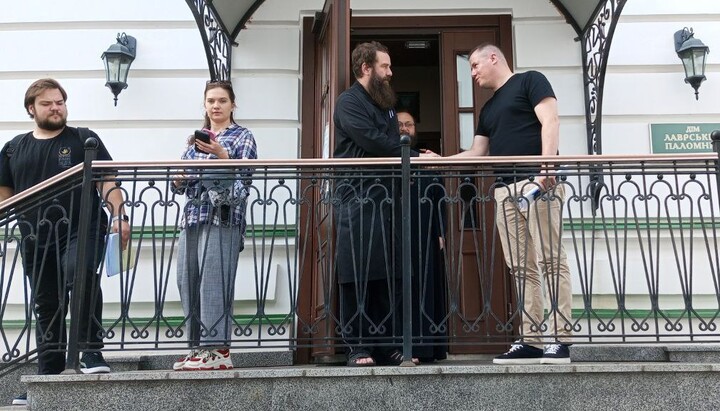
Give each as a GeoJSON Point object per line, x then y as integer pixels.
{"type": "Point", "coordinates": [596, 39]}
{"type": "Point", "coordinates": [216, 42]}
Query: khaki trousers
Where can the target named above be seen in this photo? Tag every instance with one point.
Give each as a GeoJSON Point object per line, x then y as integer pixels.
{"type": "Point", "coordinates": [531, 243]}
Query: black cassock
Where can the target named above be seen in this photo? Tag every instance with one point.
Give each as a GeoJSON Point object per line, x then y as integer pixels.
{"type": "Point", "coordinates": [366, 205]}
{"type": "Point", "coordinates": [367, 211]}
{"type": "Point", "coordinates": [428, 224]}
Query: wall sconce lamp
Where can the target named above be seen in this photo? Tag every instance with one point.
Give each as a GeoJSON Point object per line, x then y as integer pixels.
{"type": "Point", "coordinates": [692, 52]}
{"type": "Point", "coordinates": [118, 58]}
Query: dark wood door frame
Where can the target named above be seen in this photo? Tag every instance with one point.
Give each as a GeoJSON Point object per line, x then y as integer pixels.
{"type": "Point", "coordinates": [424, 24]}
{"type": "Point", "coordinates": [307, 150]}
{"type": "Point", "coordinates": [325, 32]}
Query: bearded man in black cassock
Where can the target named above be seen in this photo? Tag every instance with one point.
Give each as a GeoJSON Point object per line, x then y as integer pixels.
{"type": "Point", "coordinates": [365, 209]}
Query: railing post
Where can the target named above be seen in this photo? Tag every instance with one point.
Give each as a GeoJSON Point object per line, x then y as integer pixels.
{"type": "Point", "coordinates": [405, 204]}
{"type": "Point", "coordinates": [77, 300]}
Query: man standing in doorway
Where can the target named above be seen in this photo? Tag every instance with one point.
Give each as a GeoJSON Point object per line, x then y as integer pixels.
{"type": "Point", "coordinates": [521, 119]}
{"type": "Point", "coordinates": [427, 226]}
{"type": "Point", "coordinates": [367, 239]}
{"type": "Point", "coordinates": [49, 241]}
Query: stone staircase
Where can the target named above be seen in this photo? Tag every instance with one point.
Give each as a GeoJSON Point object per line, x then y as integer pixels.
{"type": "Point", "coordinates": [15, 382]}
{"type": "Point", "coordinates": [629, 377]}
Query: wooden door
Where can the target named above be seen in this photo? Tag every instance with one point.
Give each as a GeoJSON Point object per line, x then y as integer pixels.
{"type": "Point", "coordinates": [325, 72]}
{"type": "Point", "coordinates": [477, 278]}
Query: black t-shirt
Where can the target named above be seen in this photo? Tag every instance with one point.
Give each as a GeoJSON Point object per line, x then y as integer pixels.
{"type": "Point", "coordinates": [508, 119]}
{"type": "Point", "coordinates": [33, 161]}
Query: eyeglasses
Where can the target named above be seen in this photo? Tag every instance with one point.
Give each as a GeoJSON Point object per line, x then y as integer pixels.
{"type": "Point", "coordinates": [406, 124]}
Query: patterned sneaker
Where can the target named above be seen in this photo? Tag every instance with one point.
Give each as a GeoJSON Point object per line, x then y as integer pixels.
{"type": "Point", "coordinates": [93, 363]}
{"type": "Point", "coordinates": [206, 360]}
{"type": "Point", "coordinates": [520, 354]}
{"type": "Point", "coordinates": [556, 354]}
{"type": "Point", "coordinates": [180, 363]}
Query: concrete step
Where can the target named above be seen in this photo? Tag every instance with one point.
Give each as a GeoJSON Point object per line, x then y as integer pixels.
{"type": "Point", "coordinates": [446, 385]}
{"type": "Point", "coordinates": [139, 371]}
{"type": "Point", "coordinates": [11, 385]}
{"type": "Point", "coordinates": [707, 353]}
{"type": "Point", "coordinates": [618, 353]}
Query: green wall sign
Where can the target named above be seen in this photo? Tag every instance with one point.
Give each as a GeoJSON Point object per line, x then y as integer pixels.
{"type": "Point", "coordinates": [682, 138]}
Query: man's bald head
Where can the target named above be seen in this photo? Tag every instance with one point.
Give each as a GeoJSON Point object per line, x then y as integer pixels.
{"type": "Point", "coordinates": [489, 67]}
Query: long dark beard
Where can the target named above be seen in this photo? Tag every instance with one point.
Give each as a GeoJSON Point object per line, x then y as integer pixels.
{"type": "Point", "coordinates": [50, 125]}
{"type": "Point", "coordinates": [381, 92]}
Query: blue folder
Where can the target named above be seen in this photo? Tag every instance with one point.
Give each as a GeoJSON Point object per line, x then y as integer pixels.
{"type": "Point", "coordinates": [115, 258]}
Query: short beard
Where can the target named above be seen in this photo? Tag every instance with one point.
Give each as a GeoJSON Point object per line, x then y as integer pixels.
{"type": "Point", "coordinates": [381, 92]}
{"type": "Point", "coordinates": [50, 125]}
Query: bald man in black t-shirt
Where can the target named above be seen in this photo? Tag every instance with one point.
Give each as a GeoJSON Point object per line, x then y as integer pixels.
{"type": "Point", "coordinates": [521, 119]}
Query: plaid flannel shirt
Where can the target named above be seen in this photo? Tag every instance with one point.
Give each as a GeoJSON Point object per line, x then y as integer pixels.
{"type": "Point", "coordinates": [206, 197]}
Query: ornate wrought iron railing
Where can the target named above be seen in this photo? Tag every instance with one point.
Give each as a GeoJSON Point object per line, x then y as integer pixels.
{"type": "Point", "coordinates": [643, 268]}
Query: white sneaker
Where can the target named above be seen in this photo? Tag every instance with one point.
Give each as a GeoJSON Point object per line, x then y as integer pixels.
{"type": "Point", "coordinates": [182, 361]}
{"type": "Point", "coordinates": [20, 399]}
{"type": "Point", "coordinates": [209, 360]}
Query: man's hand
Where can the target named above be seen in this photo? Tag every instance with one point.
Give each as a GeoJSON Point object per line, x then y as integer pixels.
{"type": "Point", "coordinates": [428, 153]}
{"type": "Point", "coordinates": [547, 178]}
{"type": "Point", "coordinates": [123, 227]}
{"type": "Point", "coordinates": [546, 182]}
{"type": "Point", "coordinates": [6, 192]}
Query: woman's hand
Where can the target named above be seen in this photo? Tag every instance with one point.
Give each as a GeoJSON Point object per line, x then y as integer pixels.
{"type": "Point", "coordinates": [213, 147]}
{"type": "Point", "coordinates": [178, 180]}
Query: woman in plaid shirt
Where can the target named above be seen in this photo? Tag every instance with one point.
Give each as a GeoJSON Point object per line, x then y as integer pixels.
{"type": "Point", "coordinates": [212, 232]}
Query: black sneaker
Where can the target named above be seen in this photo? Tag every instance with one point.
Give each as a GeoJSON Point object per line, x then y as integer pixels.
{"type": "Point", "coordinates": [20, 399]}
{"type": "Point", "coordinates": [93, 363]}
{"type": "Point", "coordinates": [520, 354]}
{"type": "Point", "coordinates": [556, 354]}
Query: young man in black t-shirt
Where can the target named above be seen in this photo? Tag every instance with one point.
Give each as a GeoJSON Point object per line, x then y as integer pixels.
{"type": "Point", "coordinates": [521, 119]}
{"type": "Point", "coordinates": [49, 232]}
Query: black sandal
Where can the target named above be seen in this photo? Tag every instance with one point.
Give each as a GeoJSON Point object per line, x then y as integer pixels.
{"type": "Point", "coordinates": [359, 355]}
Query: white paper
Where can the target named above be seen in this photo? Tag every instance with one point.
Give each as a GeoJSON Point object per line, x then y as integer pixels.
{"type": "Point", "coordinates": [529, 197]}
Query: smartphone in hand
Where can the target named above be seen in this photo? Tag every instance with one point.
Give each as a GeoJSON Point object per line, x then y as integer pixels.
{"type": "Point", "coordinates": [205, 136]}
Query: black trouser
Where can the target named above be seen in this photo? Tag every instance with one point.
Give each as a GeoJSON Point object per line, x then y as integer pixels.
{"type": "Point", "coordinates": [375, 321]}
{"type": "Point", "coordinates": [51, 273]}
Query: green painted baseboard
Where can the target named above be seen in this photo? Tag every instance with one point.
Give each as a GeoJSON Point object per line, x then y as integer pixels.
{"type": "Point", "coordinates": [284, 319]}
{"type": "Point", "coordinates": [251, 232]}
{"type": "Point", "coordinates": [606, 314]}
{"type": "Point", "coordinates": [245, 319]}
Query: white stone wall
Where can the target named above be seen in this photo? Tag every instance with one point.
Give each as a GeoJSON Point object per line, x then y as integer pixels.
{"type": "Point", "coordinates": [163, 101]}
{"type": "Point", "coordinates": [645, 84]}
